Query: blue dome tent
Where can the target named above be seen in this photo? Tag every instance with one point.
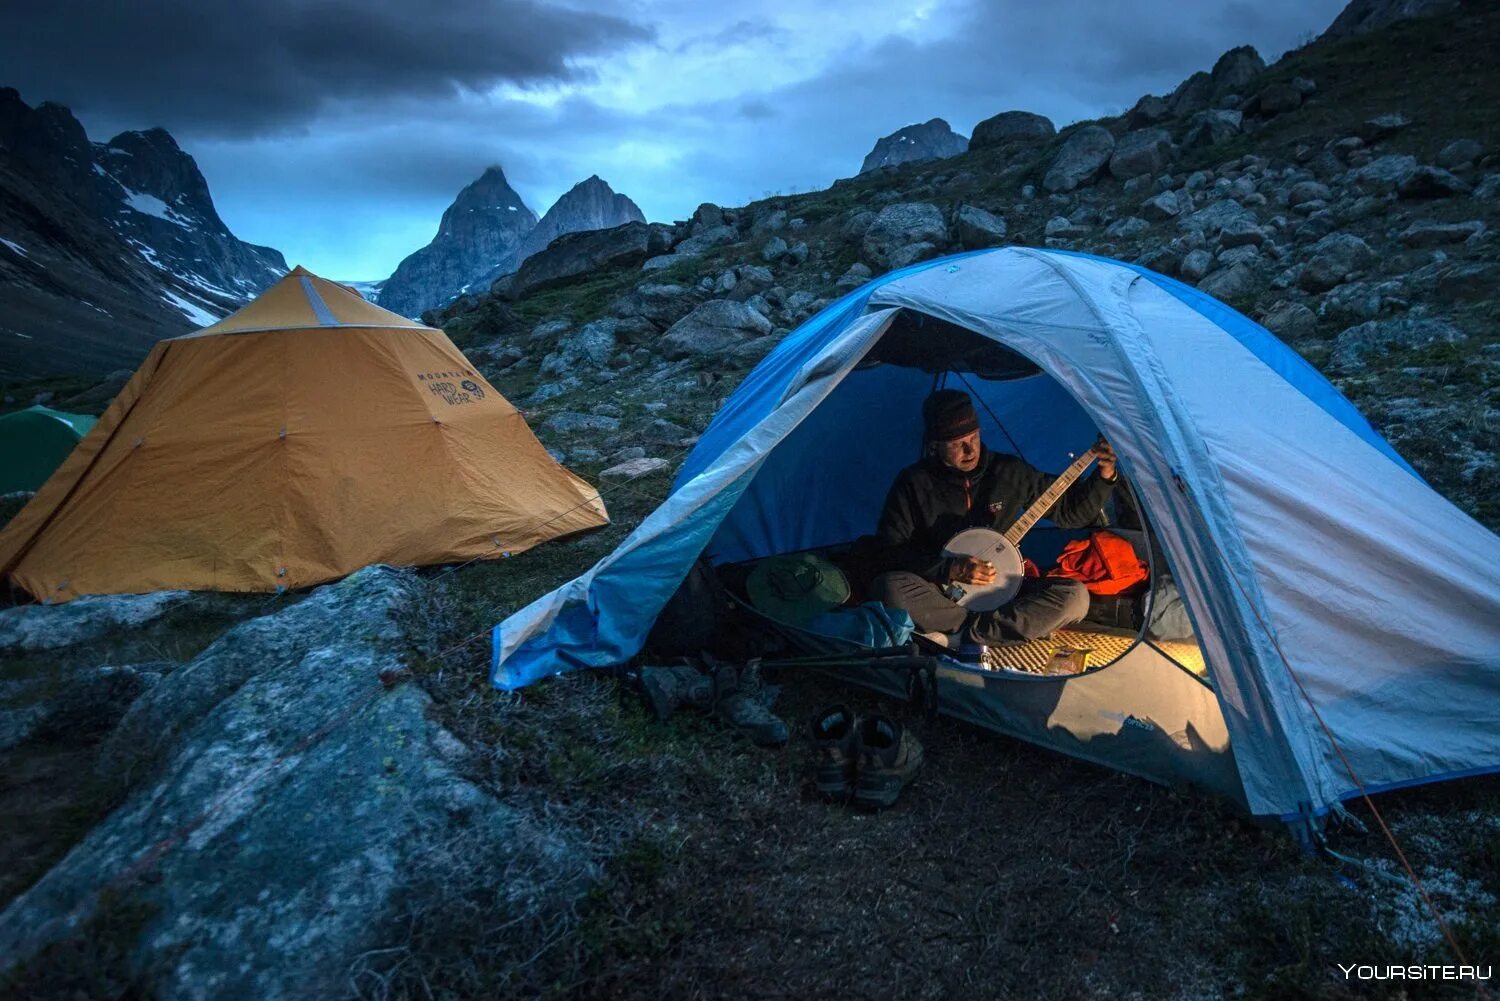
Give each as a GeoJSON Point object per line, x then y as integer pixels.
{"type": "Point", "coordinates": [1348, 615]}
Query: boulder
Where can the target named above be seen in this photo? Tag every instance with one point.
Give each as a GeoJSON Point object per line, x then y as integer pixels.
{"type": "Point", "coordinates": [1353, 347]}
{"type": "Point", "coordinates": [797, 252]}
{"type": "Point", "coordinates": [1234, 71]}
{"type": "Point", "coordinates": [1432, 234]}
{"type": "Point", "coordinates": [912, 253]}
{"type": "Point", "coordinates": [627, 454]}
{"type": "Point", "coordinates": [1148, 111]}
{"type": "Point", "coordinates": [1063, 226]}
{"type": "Point", "coordinates": [1195, 265]}
{"type": "Point", "coordinates": [31, 628]}
{"type": "Point", "coordinates": [1080, 159]}
{"type": "Point", "coordinates": [1192, 95]}
{"type": "Point", "coordinates": [705, 217]}
{"type": "Point", "coordinates": [662, 303]}
{"type": "Point", "coordinates": [1459, 153]}
{"type": "Point", "coordinates": [1383, 126]}
{"type": "Point", "coordinates": [712, 328]}
{"type": "Point", "coordinates": [633, 469]}
{"type": "Point", "coordinates": [552, 390]}
{"type": "Point", "coordinates": [1144, 151]}
{"type": "Point", "coordinates": [1210, 128]}
{"type": "Point", "coordinates": [569, 422]}
{"type": "Point", "coordinates": [1161, 206]}
{"type": "Point", "coordinates": [1431, 182]}
{"type": "Point", "coordinates": [1384, 174]}
{"type": "Point", "coordinates": [1127, 227]}
{"type": "Point", "coordinates": [289, 800]}
{"type": "Point", "coordinates": [1232, 282]}
{"type": "Point", "coordinates": [774, 250]}
{"type": "Point", "coordinates": [1214, 217]}
{"type": "Point", "coordinates": [1308, 191]}
{"type": "Point", "coordinates": [574, 254]}
{"type": "Point", "coordinates": [900, 225]}
{"type": "Point", "coordinates": [976, 228]}
{"type": "Point", "coordinates": [1488, 188]}
{"type": "Point", "coordinates": [1241, 231]}
{"type": "Point", "coordinates": [1291, 321]}
{"type": "Point", "coordinates": [590, 347]}
{"type": "Point", "coordinates": [1009, 126]}
{"type": "Point", "coordinates": [1277, 99]}
{"type": "Point", "coordinates": [769, 222]}
{"type": "Point", "coordinates": [715, 236]}
{"type": "Point", "coordinates": [1333, 259]}
{"type": "Point", "coordinates": [856, 276]}
{"type": "Point", "coordinates": [1467, 281]}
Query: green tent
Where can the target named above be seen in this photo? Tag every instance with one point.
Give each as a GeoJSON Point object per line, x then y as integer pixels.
{"type": "Point", "coordinates": [34, 442]}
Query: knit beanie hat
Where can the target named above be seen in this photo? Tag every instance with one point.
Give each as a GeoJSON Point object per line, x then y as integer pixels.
{"type": "Point", "coordinates": [948, 414]}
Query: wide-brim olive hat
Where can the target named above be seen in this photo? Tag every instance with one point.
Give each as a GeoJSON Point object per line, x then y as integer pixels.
{"type": "Point", "coordinates": [796, 587]}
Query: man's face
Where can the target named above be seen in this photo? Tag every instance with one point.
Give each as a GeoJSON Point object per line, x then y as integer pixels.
{"type": "Point", "coordinates": [961, 454]}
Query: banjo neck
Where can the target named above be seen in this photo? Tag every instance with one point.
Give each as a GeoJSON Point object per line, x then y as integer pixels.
{"type": "Point", "coordinates": [1044, 503]}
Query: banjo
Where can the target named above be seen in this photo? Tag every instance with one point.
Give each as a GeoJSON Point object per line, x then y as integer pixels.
{"type": "Point", "coordinates": [1003, 550]}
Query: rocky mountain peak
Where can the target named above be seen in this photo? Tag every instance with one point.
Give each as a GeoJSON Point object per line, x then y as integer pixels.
{"type": "Point", "coordinates": [481, 231]}
{"type": "Point", "coordinates": [931, 140]}
{"type": "Point", "coordinates": [589, 204]}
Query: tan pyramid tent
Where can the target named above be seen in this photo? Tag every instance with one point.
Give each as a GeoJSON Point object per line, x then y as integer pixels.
{"type": "Point", "coordinates": [305, 436]}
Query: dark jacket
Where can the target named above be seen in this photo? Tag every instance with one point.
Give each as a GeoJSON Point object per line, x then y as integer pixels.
{"type": "Point", "coordinates": [930, 503]}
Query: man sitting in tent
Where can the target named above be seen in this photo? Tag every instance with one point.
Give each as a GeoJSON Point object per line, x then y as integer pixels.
{"type": "Point", "coordinates": [961, 484]}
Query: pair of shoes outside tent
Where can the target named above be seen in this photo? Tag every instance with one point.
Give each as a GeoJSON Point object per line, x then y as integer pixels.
{"type": "Point", "coordinates": [870, 758]}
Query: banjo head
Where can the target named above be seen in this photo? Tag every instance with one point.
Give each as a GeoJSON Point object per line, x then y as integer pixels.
{"type": "Point", "coordinates": [987, 544]}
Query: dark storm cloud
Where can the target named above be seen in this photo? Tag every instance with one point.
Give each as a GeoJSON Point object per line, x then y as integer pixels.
{"type": "Point", "coordinates": [226, 69]}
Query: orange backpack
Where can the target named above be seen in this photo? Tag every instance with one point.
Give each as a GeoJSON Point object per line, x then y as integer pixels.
{"type": "Point", "coordinates": [1104, 562]}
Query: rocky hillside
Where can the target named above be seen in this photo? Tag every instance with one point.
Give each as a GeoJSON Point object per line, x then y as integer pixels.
{"type": "Point", "coordinates": [1348, 207]}
{"type": "Point", "coordinates": [489, 232]}
{"type": "Point", "coordinates": [107, 247]}
{"type": "Point", "coordinates": [932, 140]}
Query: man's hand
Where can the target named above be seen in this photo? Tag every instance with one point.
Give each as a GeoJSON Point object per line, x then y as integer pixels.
{"type": "Point", "coordinates": [1108, 461]}
{"type": "Point", "coordinates": [968, 570]}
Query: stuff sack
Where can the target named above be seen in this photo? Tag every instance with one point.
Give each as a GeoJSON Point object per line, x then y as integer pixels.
{"type": "Point", "coordinates": [870, 625]}
{"type": "Point", "coordinates": [1104, 562]}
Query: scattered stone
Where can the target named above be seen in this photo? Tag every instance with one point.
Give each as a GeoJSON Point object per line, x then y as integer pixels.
{"type": "Point", "coordinates": [590, 347]}
{"type": "Point", "coordinates": [662, 430]}
{"type": "Point", "coordinates": [1063, 226]}
{"type": "Point", "coordinates": [1383, 126]}
{"type": "Point", "coordinates": [1459, 153]}
{"type": "Point", "coordinates": [1195, 265]}
{"type": "Point", "coordinates": [1467, 281]}
{"type": "Point", "coordinates": [774, 250]}
{"type": "Point", "coordinates": [711, 328]}
{"type": "Point", "coordinates": [1383, 174]}
{"type": "Point", "coordinates": [1148, 111]}
{"type": "Point", "coordinates": [1080, 160]}
{"type": "Point", "coordinates": [1241, 231]}
{"type": "Point", "coordinates": [1291, 321]}
{"type": "Point", "coordinates": [1334, 258]}
{"type": "Point", "coordinates": [627, 455]}
{"type": "Point", "coordinates": [855, 226]}
{"type": "Point", "coordinates": [1488, 188]}
{"type": "Point", "coordinates": [1009, 126]}
{"type": "Point", "coordinates": [570, 422]}
{"type": "Point", "coordinates": [1144, 151]}
{"type": "Point", "coordinates": [1213, 218]}
{"type": "Point", "coordinates": [771, 222]}
{"type": "Point", "coordinates": [1245, 253]}
{"type": "Point", "coordinates": [1127, 227]}
{"type": "Point", "coordinates": [856, 276]}
{"type": "Point", "coordinates": [1434, 234]}
{"type": "Point", "coordinates": [1431, 182]}
{"type": "Point", "coordinates": [551, 390]}
{"type": "Point", "coordinates": [1210, 128]}
{"type": "Point", "coordinates": [1352, 348]}
{"type": "Point", "coordinates": [1235, 70]}
{"type": "Point", "coordinates": [976, 228]}
{"type": "Point", "coordinates": [1230, 283]}
{"type": "Point", "coordinates": [635, 469]}
{"type": "Point", "coordinates": [797, 253]}
{"type": "Point", "coordinates": [1162, 206]}
{"type": "Point", "coordinates": [900, 225]}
